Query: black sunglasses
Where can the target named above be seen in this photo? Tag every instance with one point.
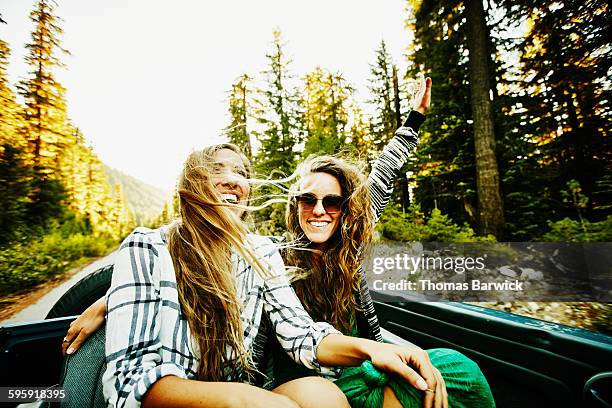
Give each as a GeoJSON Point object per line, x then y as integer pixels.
{"type": "Point", "coordinates": [331, 203]}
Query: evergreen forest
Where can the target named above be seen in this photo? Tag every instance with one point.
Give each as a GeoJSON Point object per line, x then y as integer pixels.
{"type": "Point", "coordinates": [515, 146]}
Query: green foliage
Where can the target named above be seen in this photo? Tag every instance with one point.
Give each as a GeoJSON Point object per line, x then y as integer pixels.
{"type": "Point", "coordinates": [564, 106]}
{"type": "Point", "coordinates": [46, 116]}
{"type": "Point", "coordinates": [46, 200]}
{"type": "Point", "coordinates": [14, 190]}
{"type": "Point", "coordinates": [550, 110]}
{"type": "Point", "coordinates": [326, 105]}
{"type": "Point", "coordinates": [271, 220]}
{"type": "Point", "coordinates": [278, 114]}
{"type": "Point", "coordinates": [167, 215]}
{"type": "Point", "coordinates": [444, 163]}
{"type": "Point", "coordinates": [416, 226]}
{"type": "Point", "coordinates": [57, 205]}
{"type": "Point", "coordinates": [384, 122]}
{"type": "Point", "coordinates": [10, 110]}
{"type": "Point", "coordinates": [29, 198]}
{"type": "Point", "coordinates": [27, 264]}
{"type": "Point", "coordinates": [568, 230]}
{"type": "Point", "coordinates": [239, 108]}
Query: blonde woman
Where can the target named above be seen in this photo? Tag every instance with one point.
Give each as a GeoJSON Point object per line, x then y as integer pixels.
{"type": "Point", "coordinates": [186, 301]}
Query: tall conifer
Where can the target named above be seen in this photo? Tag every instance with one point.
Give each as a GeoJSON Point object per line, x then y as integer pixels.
{"type": "Point", "coordinates": [278, 113]}
{"type": "Point", "coordinates": [239, 111]}
{"type": "Point", "coordinates": [10, 110]}
{"type": "Point", "coordinates": [45, 113]}
{"type": "Point", "coordinates": [326, 115]}
{"type": "Point", "coordinates": [383, 122]}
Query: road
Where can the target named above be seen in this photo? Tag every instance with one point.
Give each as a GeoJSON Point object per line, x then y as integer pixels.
{"type": "Point", "coordinates": [39, 310]}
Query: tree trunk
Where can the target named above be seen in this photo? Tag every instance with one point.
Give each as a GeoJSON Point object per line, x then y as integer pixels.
{"type": "Point", "coordinates": [490, 207]}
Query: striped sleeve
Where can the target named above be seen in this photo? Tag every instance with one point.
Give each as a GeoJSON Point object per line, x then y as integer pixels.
{"type": "Point", "coordinates": [367, 321]}
{"type": "Point", "coordinates": [387, 166]}
{"type": "Point", "coordinates": [133, 347]}
{"type": "Point", "coordinates": [384, 172]}
{"type": "Point", "coordinates": [295, 330]}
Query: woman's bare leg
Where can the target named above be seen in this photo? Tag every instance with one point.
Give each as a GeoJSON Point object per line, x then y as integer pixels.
{"type": "Point", "coordinates": [313, 392]}
{"type": "Point", "coordinates": [390, 400]}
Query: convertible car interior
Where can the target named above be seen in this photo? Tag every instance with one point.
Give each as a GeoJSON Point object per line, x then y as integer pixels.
{"type": "Point", "coordinates": [528, 362]}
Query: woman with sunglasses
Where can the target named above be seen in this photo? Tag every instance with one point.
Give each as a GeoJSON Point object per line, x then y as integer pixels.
{"type": "Point", "coordinates": [327, 214]}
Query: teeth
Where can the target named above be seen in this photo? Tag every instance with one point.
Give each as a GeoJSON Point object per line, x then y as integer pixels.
{"type": "Point", "coordinates": [230, 198]}
{"type": "Point", "coordinates": [319, 223]}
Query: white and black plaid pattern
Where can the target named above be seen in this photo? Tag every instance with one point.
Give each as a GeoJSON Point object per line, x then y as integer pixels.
{"type": "Point", "coordinates": [148, 337]}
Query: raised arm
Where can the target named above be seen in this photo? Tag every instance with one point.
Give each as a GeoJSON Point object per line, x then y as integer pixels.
{"type": "Point", "coordinates": [387, 166]}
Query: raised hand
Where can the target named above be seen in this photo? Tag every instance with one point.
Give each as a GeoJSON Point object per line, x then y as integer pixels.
{"type": "Point", "coordinates": [422, 95]}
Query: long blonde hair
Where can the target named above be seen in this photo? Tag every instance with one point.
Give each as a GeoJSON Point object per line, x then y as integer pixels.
{"type": "Point", "coordinates": [200, 245]}
{"type": "Point", "coordinates": [328, 291]}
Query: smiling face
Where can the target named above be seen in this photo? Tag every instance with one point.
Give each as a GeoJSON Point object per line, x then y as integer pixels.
{"type": "Point", "coordinates": [230, 177]}
{"type": "Point", "coordinates": [318, 224]}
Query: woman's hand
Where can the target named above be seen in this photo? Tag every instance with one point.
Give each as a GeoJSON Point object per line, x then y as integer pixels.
{"type": "Point", "coordinates": [412, 364]}
{"type": "Point", "coordinates": [422, 95]}
{"type": "Point", "coordinates": [84, 326]}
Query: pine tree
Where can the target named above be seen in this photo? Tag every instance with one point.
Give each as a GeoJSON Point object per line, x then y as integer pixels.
{"type": "Point", "coordinates": [120, 213]}
{"type": "Point", "coordinates": [98, 200]}
{"type": "Point", "coordinates": [326, 115]}
{"type": "Point", "coordinates": [359, 140]}
{"type": "Point", "coordinates": [565, 108]}
{"type": "Point", "coordinates": [46, 115]}
{"type": "Point", "coordinates": [10, 110]}
{"type": "Point", "coordinates": [15, 189]}
{"type": "Point", "coordinates": [385, 89]}
{"type": "Point", "coordinates": [239, 110]}
{"type": "Point", "coordinates": [278, 113]}
{"type": "Point", "coordinates": [443, 165]}
{"type": "Point", "coordinates": [384, 121]}
{"type": "Point", "coordinates": [73, 170]}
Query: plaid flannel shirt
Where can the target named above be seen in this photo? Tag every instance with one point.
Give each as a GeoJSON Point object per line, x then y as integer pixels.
{"type": "Point", "coordinates": [147, 337]}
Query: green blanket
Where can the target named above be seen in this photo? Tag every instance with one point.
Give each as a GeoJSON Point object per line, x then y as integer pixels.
{"type": "Point", "coordinates": [465, 383]}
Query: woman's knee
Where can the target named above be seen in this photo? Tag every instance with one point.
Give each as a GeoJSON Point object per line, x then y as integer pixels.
{"type": "Point", "coordinates": [313, 392]}
{"type": "Point", "coordinates": [452, 362]}
{"type": "Point", "coordinates": [460, 373]}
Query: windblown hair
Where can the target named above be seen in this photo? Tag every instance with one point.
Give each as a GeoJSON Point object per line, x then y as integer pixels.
{"type": "Point", "coordinates": [200, 245]}
{"type": "Point", "coordinates": [328, 290]}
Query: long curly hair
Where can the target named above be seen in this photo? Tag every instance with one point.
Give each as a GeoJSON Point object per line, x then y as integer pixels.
{"type": "Point", "coordinates": [328, 289]}
{"type": "Point", "coordinates": [200, 245]}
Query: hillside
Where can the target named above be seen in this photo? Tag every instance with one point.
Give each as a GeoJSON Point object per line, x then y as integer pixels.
{"type": "Point", "coordinates": [145, 200]}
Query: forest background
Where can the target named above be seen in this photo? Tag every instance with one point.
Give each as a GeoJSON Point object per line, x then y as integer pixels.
{"type": "Point", "coordinates": [515, 146]}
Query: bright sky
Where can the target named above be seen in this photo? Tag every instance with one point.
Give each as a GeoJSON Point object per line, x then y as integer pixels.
{"type": "Point", "coordinates": [147, 80]}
